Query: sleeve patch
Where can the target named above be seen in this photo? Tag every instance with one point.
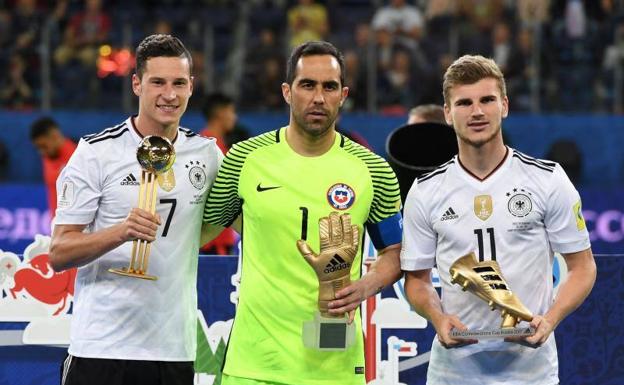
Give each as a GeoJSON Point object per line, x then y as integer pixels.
{"type": "Point", "coordinates": [578, 214]}
{"type": "Point", "coordinates": [66, 195]}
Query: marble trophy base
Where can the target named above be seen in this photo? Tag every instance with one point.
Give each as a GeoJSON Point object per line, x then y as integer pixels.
{"type": "Point", "coordinates": [328, 334]}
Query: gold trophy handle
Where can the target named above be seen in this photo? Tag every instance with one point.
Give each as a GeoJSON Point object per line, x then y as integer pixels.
{"type": "Point", "coordinates": [140, 248]}
{"type": "Point", "coordinates": [152, 210]}
{"type": "Point", "coordinates": [156, 155]}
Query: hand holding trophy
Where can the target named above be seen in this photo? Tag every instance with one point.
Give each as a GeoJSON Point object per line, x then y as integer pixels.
{"type": "Point", "coordinates": [156, 156]}
{"type": "Point", "coordinates": [339, 242]}
{"type": "Point", "coordinates": [485, 280]}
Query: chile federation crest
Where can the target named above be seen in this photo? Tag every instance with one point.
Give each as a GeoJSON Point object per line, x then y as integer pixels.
{"type": "Point", "coordinates": [340, 196]}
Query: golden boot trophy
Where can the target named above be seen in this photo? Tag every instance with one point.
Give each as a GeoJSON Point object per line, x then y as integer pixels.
{"type": "Point", "coordinates": [339, 245]}
{"type": "Point", "coordinates": [156, 156]}
{"type": "Point", "coordinates": [485, 280]}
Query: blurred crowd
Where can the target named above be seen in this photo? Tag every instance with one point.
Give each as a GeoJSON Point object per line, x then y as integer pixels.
{"type": "Point", "coordinates": [557, 55]}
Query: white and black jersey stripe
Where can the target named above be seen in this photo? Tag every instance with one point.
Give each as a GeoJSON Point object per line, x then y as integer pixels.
{"type": "Point", "coordinates": [105, 131]}
{"type": "Point", "coordinates": [109, 133]}
{"type": "Point", "coordinates": [439, 170]}
{"type": "Point", "coordinates": [539, 163]}
{"type": "Point", "coordinates": [187, 132]}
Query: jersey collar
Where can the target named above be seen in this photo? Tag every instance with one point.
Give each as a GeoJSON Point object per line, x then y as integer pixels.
{"type": "Point", "coordinates": [280, 137]}
{"type": "Point", "coordinates": [138, 136]}
{"type": "Point", "coordinates": [489, 177]}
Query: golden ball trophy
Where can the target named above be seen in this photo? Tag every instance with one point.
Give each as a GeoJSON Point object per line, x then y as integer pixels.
{"type": "Point", "coordinates": [156, 156]}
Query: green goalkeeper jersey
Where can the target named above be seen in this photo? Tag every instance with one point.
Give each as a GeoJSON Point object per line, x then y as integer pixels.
{"type": "Point", "coordinates": [281, 196]}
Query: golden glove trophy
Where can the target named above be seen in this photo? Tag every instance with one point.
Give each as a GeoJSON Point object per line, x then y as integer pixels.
{"type": "Point", "coordinates": [156, 156]}
{"type": "Point", "coordinates": [485, 280]}
{"type": "Point", "coordinates": [339, 245]}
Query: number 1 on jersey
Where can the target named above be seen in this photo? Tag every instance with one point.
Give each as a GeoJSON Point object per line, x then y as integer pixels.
{"type": "Point", "coordinates": [304, 223]}
{"type": "Point", "coordinates": [479, 233]}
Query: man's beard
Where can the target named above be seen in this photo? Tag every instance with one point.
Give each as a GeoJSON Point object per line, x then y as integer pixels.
{"type": "Point", "coordinates": [315, 129]}
{"type": "Point", "coordinates": [481, 142]}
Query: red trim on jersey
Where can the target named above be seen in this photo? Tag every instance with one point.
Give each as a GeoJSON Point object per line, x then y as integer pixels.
{"type": "Point", "coordinates": [491, 172]}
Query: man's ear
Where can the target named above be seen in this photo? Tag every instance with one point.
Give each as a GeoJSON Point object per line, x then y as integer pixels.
{"type": "Point", "coordinates": [505, 110]}
{"type": "Point", "coordinates": [345, 93]}
{"type": "Point", "coordinates": [286, 92]}
{"type": "Point", "coordinates": [136, 84]}
{"type": "Point", "coordinates": [447, 115]}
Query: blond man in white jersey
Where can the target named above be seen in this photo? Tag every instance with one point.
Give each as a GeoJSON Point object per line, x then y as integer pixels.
{"type": "Point", "coordinates": [530, 211]}
{"type": "Point", "coordinates": [128, 331]}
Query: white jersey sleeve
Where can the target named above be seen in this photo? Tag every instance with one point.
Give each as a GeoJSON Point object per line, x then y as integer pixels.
{"type": "Point", "coordinates": [79, 187]}
{"type": "Point", "coordinates": [563, 218]}
{"type": "Point", "coordinates": [418, 250]}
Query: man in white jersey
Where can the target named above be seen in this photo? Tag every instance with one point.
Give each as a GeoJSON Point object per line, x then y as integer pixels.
{"type": "Point", "coordinates": [504, 206]}
{"type": "Point", "coordinates": [125, 330]}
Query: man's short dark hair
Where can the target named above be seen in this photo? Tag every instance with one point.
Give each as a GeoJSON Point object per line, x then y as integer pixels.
{"type": "Point", "coordinates": [309, 49]}
{"type": "Point", "coordinates": [41, 127]}
{"type": "Point", "coordinates": [160, 46]}
{"type": "Point", "coordinates": [213, 102]}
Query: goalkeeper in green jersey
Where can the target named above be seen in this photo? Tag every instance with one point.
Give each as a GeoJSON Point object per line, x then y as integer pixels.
{"type": "Point", "coordinates": [305, 195]}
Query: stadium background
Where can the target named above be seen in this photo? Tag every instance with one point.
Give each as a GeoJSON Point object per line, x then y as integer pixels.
{"type": "Point", "coordinates": [562, 60]}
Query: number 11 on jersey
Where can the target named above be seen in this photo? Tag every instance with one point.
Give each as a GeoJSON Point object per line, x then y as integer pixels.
{"type": "Point", "coordinates": [479, 234]}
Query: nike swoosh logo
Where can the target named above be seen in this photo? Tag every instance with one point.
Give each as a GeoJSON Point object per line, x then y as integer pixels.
{"type": "Point", "coordinates": [261, 189]}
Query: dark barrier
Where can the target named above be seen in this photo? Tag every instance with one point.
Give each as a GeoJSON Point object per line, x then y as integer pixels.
{"type": "Point", "coordinates": [415, 149]}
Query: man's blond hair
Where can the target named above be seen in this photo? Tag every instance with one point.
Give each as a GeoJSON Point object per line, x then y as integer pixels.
{"type": "Point", "coordinates": [469, 69]}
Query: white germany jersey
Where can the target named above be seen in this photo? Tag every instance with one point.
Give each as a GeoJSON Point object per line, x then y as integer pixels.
{"type": "Point", "coordinates": [519, 215]}
{"type": "Point", "coordinates": [118, 317]}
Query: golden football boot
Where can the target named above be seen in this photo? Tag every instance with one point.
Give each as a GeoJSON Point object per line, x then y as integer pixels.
{"type": "Point", "coordinates": [485, 280]}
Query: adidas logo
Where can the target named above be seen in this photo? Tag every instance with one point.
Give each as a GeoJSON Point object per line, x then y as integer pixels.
{"type": "Point", "coordinates": [449, 214]}
{"type": "Point", "coordinates": [336, 264]}
{"type": "Point", "coordinates": [130, 180]}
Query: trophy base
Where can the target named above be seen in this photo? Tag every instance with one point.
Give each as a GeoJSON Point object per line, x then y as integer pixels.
{"type": "Point", "coordinates": [492, 334]}
{"type": "Point", "coordinates": [328, 334]}
{"type": "Point", "coordinates": [133, 274]}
